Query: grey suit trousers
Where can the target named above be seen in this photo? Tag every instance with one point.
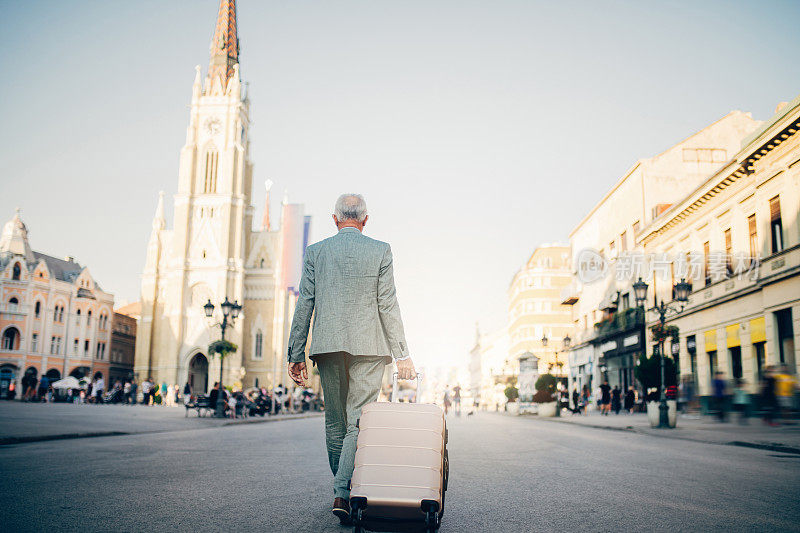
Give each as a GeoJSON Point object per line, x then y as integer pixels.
{"type": "Point", "coordinates": [348, 384]}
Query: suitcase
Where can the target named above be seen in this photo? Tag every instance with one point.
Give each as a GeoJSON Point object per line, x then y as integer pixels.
{"type": "Point", "coordinates": [401, 466]}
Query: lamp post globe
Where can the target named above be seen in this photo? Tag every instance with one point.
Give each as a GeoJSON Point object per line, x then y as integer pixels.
{"type": "Point", "coordinates": [226, 307]}
{"type": "Point", "coordinates": [682, 289]}
{"type": "Point", "coordinates": [640, 292]}
{"type": "Point", "coordinates": [209, 309]}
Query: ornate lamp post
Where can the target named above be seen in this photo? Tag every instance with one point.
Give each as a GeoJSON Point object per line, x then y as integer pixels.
{"type": "Point", "coordinates": [230, 311]}
{"type": "Point", "coordinates": [663, 309]}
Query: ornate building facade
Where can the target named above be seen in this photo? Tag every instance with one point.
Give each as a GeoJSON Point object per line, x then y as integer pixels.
{"type": "Point", "coordinates": [55, 320]}
{"type": "Point", "coordinates": [743, 314]}
{"type": "Point", "coordinates": [213, 252]}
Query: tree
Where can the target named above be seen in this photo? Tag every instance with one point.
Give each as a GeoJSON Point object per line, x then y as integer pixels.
{"type": "Point", "coordinates": [512, 393]}
{"type": "Point", "coordinates": [546, 382]}
{"type": "Point", "coordinates": [648, 372]}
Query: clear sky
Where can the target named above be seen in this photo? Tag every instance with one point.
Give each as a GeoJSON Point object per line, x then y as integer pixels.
{"type": "Point", "coordinates": [475, 130]}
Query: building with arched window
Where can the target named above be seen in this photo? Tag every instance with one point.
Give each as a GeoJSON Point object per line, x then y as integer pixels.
{"type": "Point", "coordinates": [215, 249]}
{"type": "Point", "coordinates": [42, 300]}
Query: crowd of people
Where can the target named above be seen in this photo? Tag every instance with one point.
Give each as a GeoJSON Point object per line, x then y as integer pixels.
{"type": "Point", "coordinates": [258, 400]}
{"type": "Point", "coordinates": [775, 399]}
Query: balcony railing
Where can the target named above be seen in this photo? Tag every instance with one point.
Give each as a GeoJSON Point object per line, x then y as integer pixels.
{"type": "Point", "coordinates": [621, 321]}
{"type": "Point", "coordinates": [13, 310]}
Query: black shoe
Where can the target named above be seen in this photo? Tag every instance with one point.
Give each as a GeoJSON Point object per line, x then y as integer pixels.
{"type": "Point", "coordinates": [341, 508]}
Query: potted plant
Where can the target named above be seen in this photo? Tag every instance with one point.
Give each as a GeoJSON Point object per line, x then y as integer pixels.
{"type": "Point", "coordinates": [648, 372]}
{"type": "Point", "coordinates": [545, 395]}
{"type": "Point", "coordinates": [512, 395]}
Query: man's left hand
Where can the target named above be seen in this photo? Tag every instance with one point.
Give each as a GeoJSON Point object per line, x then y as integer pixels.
{"type": "Point", "coordinates": [299, 373]}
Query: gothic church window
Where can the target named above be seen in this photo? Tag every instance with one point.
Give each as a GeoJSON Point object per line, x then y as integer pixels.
{"type": "Point", "coordinates": [210, 177]}
{"type": "Point", "coordinates": [259, 343]}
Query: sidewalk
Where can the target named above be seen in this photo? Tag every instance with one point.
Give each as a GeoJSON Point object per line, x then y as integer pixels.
{"type": "Point", "coordinates": [785, 438]}
{"type": "Point", "coordinates": [32, 422]}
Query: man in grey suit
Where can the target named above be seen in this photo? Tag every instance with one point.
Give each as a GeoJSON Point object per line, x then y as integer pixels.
{"type": "Point", "coordinates": [348, 288]}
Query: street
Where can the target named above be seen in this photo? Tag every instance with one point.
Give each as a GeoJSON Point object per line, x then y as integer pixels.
{"type": "Point", "coordinates": [507, 474]}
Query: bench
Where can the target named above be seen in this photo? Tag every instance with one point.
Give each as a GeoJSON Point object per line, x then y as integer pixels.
{"type": "Point", "coordinates": [201, 403]}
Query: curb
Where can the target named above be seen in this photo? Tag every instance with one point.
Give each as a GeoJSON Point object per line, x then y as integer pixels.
{"type": "Point", "coordinates": [9, 441]}
{"type": "Point", "coordinates": [773, 447]}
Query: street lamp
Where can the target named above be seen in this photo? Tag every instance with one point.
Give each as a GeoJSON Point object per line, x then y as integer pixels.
{"type": "Point", "coordinates": [229, 311]}
{"type": "Point", "coordinates": [682, 289]}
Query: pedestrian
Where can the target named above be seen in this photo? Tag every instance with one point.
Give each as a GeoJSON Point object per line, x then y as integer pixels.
{"type": "Point", "coordinates": [126, 392]}
{"type": "Point", "coordinates": [351, 344]}
{"type": "Point", "coordinates": [99, 387]}
{"type": "Point", "coordinates": [187, 393]}
{"type": "Point", "coordinates": [785, 386]}
{"type": "Point", "coordinates": [741, 401]}
{"type": "Point", "coordinates": [769, 400]}
{"type": "Point", "coordinates": [719, 389]}
{"type": "Point", "coordinates": [576, 399]}
{"type": "Point", "coordinates": [446, 400]}
{"type": "Point", "coordinates": [163, 392]}
{"type": "Point", "coordinates": [605, 398]}
{"type": "Point", "coordinates": [630, 400]}
{"type": "Point", "coordinates": [44, 384]}
{"type": "Point", "coordinates": [232, 405]}
{"type": "Point", "coordinates": [616, 399]}
{"type": "Point", "coordinates": [457, 399]}
{"type": "Point", "coordinates": [146, 390]}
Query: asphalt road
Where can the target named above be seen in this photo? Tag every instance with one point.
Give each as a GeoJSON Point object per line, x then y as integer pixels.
{"type": "Point", "coordinates": [507, 474]}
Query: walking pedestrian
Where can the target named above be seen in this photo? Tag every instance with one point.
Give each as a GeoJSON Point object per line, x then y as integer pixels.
{"type": "Point", "coordinates": [446, 400]}
{"type": "Point", "coordinates": [457, 399]}
{"type": "Point", "coordinates": [134, 392]}
{"type": "Point", "coordinates": [126, 392]}
{"type": "Point", "coordinates": [630, 400]}
{"type": "Point", "coordinates": [719, 388]}
{"type": "Point", "coordinates": [769, 401]}
{"type": "Point", "coordinates": [785, 386]}
{"type": "Point", "coordinates": [605, 398]}
{"type": "Point", "coordinates": [616, 399]}
{"type": "Point", "coordinates": [576, 401]}
{"type": "Point", "coordinates": [351, 343]}
{"type": "Point", "coordinates": [741, 401]}
{"type": "Point", "coordinates": [44, 384]}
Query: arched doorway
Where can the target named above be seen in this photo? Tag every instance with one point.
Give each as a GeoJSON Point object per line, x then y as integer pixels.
{"type": "Point", "coordinates": [53, 375]}
{"type": "Point", "coordinates": [198, 373]}
{"type": "Point", "coordinates": [7, 375]}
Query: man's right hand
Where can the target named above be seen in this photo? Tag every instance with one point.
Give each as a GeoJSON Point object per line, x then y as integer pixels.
{"type": "Point", "coordinates": [299, 373]}
{"type": "Point", "coordinates": [405, 369]}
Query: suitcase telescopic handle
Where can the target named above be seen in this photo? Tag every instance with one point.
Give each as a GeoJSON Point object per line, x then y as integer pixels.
{"type": "Point", "coordinates": [394, 387]}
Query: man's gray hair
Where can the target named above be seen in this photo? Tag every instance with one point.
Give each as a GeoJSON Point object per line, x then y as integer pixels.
{"type": "Point", "coordinates": [351, 206]}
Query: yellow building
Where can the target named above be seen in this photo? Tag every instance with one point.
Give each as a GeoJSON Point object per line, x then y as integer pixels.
{"type": "Point", "coordinates": [535, 308]}
{"type": "Point", "coordinates": [742, 316]}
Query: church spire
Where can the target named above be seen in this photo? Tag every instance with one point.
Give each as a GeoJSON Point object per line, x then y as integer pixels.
{"type": "Point", "coordinates": [159, 222]}
{"type": "Point", "coordinates": [265, 224]}
{"type": "Point", "coordinates": [224, 44]}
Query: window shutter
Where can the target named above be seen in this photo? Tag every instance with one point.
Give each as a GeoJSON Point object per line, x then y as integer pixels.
{"type": "Point", "coordinates": [775, 209]}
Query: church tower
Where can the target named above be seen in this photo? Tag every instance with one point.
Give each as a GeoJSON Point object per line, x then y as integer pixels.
{"type": "Point", "coordinates": [213, 252]}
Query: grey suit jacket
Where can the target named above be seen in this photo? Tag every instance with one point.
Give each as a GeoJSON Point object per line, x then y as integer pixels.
{"type": "Point", "coordinates": [348, 286]}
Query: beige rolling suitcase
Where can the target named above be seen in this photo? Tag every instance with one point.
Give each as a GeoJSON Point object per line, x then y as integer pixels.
{"type": "Point", "coordinates": [401, 466]}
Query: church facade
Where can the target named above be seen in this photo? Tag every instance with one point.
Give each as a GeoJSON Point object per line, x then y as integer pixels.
{"type": "Point", "coordinates": [214, 251]}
